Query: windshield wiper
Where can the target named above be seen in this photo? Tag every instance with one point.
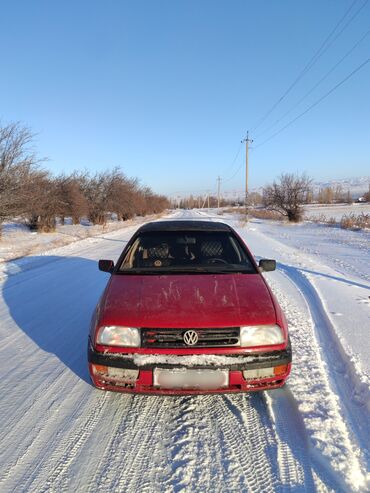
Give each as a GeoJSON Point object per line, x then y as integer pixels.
{"type": "Point", "coordinates": [191, 269]}
{"type": "Point", "coordinates": [163, 270]}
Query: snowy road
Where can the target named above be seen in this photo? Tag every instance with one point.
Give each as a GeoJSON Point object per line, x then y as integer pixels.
{"type": "Point", "coordinates": [59, 434]}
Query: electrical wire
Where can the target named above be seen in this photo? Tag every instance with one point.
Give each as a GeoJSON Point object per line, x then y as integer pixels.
{"type": "Point", "coordinates": [242, 163]}
{"type": "Point", "coordinates": [323, 48]}
{"type": "Point", "coordinates": [236, 157]}
{"type": "Point", "coordinates": [315, 86]}
{"type": "Point", "coordinates": [315, 103]}
{"type": "Point", "coordinates": [234, 174]}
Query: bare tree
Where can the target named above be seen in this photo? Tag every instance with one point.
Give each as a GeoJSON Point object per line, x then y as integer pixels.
{"type": "Point", "coordinates": [111, 191]}
{"type": "Point", "coordinates": [44, 203]}
{"type": "Point", "coordinates": [287, 195]}
{"type": "Point", "coordinates": [123, 195]}
{"type": "Point", "coordinates": [29, 191]}
{"type": "Point", "coordinates": [97, 190]}
{"type": "Point", "coordinates": [18, 166]}
{"type": "Point", "coordinates": [72, 202]}
{"type": "Point", "coordinates": [326, 195]}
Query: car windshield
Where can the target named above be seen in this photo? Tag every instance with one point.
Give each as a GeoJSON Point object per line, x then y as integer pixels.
{"type": "Point", "coordinates": [186, 251]}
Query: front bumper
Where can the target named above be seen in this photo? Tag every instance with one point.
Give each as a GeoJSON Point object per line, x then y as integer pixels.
{"type": "Point", "coordinates": [235, 363]}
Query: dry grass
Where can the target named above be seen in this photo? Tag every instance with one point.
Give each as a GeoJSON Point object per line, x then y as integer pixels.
{"type": "Point", "coordinates": [266, 214]}
{"type": "Point", "coordinates": [353, 221]}
{"type": "Point", "coordinates": [257, 213]}
{"type": "Point", "coordinates": [348, 221]}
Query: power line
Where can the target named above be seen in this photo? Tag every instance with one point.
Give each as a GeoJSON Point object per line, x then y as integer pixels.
{"type": "Point", "coordinates": [315, 103]}
{"type": "Point", "coordinates": [323, 48]}
{"type": "Point", "coordinates": [242, 163]}
{"type": "Point", "coordinates": [316, 85]}
{"type": "Point", "coordinates": [236, 156]}
{"type": "Point", "coordinates": [237, 170]}
{"type": "Point", "coordinates": [235, 173]}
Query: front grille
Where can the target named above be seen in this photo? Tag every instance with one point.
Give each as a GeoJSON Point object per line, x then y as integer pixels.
{"type": "Point", "coordinates": [174, 338]}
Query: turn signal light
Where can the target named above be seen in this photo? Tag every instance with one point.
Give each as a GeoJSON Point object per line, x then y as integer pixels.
{"type": "Point", "coordinates": [280, 370]}
{"type": "Point", "coordinates": [111, 373]}
{"type": "Point", "coordinates": [100, 369]}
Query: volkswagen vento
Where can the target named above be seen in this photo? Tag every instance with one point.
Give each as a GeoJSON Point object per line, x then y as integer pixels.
{"type": "Point", "coordinates": [187, 310]}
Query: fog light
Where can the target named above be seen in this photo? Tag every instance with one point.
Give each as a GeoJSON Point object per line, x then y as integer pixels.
{"type": "Point", "coordinates": [123, 374]}
{"type": "Point", "coordinates": [258, 373]}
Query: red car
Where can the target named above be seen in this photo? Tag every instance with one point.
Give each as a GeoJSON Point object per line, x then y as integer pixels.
{"type": "Point", "coordinates": [186, 310]}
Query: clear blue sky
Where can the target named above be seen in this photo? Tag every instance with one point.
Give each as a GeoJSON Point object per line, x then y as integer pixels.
{"type": "Point", "coordinates": [166, 89]}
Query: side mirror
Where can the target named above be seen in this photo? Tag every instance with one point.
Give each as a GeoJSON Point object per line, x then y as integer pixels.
{"type": "Point", "coordinates": [106, 265]}
{"type": "Point", "coordinates": [267, 265]}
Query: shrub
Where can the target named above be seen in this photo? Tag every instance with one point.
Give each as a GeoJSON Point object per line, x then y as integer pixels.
{"type": "Point", "coordinates": [287, 195]}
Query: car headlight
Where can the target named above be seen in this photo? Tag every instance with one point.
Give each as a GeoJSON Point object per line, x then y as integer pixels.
{"type": "Point", "coordinates": [261, 335]}
{"type": "Point", "coordinates": [114, 335]}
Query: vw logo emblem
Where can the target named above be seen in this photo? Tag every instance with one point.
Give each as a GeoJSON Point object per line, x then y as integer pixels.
{"type": "Point", "coordinates": [190, 337]}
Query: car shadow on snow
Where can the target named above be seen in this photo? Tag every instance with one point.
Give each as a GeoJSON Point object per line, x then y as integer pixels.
{"type": "Point", "coordinates": [51, 299]}
{"type": "Point", "coordinates": [292, 271]}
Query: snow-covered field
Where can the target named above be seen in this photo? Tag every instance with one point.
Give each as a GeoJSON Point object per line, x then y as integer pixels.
{"type": "Point", "coordinates": [59, 434]}
{"type": "Point", "coordinates": [17, 240]}
{"type": "Point", "coordinates": [336, 211]}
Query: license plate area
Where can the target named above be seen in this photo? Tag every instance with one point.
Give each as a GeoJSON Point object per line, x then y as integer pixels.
{"type": "Point", "coordinates": [185, 378]}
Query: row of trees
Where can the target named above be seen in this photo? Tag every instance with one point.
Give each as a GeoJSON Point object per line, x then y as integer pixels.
{"type": "Point", "coordinates": [326, 195]}
{"type": "Point", "coordinates": [301, 185]}
{"type": "Point", "coordinates": [29, 191]}
{"type": "Point", "coordinates": [201, 201]}
{"type": "Point", "coordinates": [287, 195]}
{"type": "Point", "coordinates": [330, 195]}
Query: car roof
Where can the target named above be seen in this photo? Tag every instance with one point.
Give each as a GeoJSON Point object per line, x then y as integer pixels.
{"type": "Point", "coordinates": [184, 226]}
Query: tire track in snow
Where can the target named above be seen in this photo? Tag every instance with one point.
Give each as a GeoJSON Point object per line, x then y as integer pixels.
{"type": "Point", "coordinates": [193, 446]}
{"type": "Point", "coordinates": [43, 404]}
{"type": "Point", "coordinates": [293, 455]}
{"type": "Point", "coordinates": [355, 398]}
{"type": "Point", "coordinates": [335, 456]}
{"type": "Point", "coordinates": [182, 443]}
{"type": "Point", "coordinates": [127, 464]}
{"type": "Point", "coordinates": [142, 474]}
{"type": "Point", "coordinates": [68, 448]}
{"type": "Point", "coordinates": [116, 419]}
{"type": "Point", "coordinates": [110, 446]}
{"type": "Point", "coordinates": [247, 442]}
{"type": "Point", "coordinates": [276, 447]}
{"type": "Point", "coordinates": [54, 448]}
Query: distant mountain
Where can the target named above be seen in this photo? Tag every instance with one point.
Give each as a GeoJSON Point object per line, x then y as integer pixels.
{"type": "Point", "coordinates": [356, 186]}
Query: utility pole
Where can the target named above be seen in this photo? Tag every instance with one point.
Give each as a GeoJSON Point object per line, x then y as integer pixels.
{"type": "Point", "coordinates": [246, 140]}
{"type": "Point", "coordinates": [206, 198]}
{"type": "Point", "coordinates": [204, 202]}
{"type": "Point", "coordinates": [218, 193]}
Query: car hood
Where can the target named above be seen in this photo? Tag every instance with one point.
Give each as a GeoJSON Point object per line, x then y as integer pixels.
{"type": "Point", "coordinates": [222, 300]}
